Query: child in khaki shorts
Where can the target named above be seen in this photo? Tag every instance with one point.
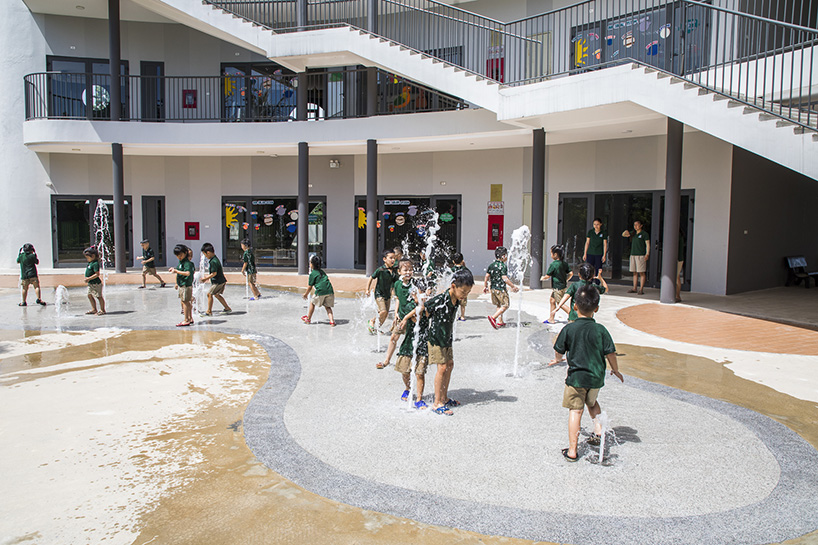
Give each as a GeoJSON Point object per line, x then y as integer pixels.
{"type": "Point", "coordinates": [419, 351]}
{"type": "Point", "coordinates": [588, 344]}
{"type": "Point", "coordinates": [324, 294]}
{"type": "Point", "coordinates": [383, 277]}
{"type": "Point", "coordinates": [497, 279]}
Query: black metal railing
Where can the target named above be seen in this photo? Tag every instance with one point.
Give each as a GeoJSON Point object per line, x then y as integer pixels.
{"type": "Point", "coordinates": [331, 94]}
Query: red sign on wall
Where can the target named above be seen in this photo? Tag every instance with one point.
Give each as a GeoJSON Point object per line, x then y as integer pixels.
{"type": "Point", "coordinates": [191, 230]}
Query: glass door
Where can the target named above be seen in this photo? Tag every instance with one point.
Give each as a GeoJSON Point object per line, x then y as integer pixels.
{"type": "Point", "coordinates": [72, 220]}
{"type": "Point", "coordinates": [573, 224]}
{"type": "Point", "coordinates": [152, 89]}
{"type": "Point", "coordinates": [235, 225]}
{"type": "Point", "coordinates": [685, 248]}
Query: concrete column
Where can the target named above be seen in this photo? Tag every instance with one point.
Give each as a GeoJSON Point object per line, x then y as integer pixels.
{"type": "Point", "coordinates": [119, 209]}
{"type": "Point", "coordinates": [115, 106]}
{"type": "Point", "coordinates": [372, 16]}
{"type": "Point", "coordinates": [303, 208]}
{"type": "Point", "coordinates": [371, 91]}
{"type": "Point", "coordinates": [673, 196]}
{"type": "Point", "coordinates": [301, 97]}
{"type": "Point", "coordinates": [537, 209]}
{"type": "Point", "coordinates": [301, 14]}
{"type": "Point", "coordinates": [371, 206]}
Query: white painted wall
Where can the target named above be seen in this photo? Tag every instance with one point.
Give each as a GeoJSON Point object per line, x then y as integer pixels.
{"type": "Point", "coordinates": [639, 164]}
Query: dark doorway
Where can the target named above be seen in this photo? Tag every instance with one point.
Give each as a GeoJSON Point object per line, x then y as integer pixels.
{"type": "Point", "coordinates": [153, 226]}
{"type": "Point", "coordinates": [72, 225]}
{"type": "Point", "coordinates": [152, 89]}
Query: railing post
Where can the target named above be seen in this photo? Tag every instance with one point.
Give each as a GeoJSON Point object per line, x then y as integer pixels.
{"type": "Point", "coordinates": [537, 209]}
{"type": "Point", "coordinates": [371, 91]}
{"type": "Point", "coordinates": [301, 97]}
{"type": "Point", "coordinates": [372, 16]}
{"type": "Point", "coordinates": [114, 63]}
{"type": "Point", "coordinates": [673, 187]}
{"type": "Point", "coordinates": [301, 14]}
{"type": "Point", "coordinates": [371, 206]}
{"type": "Point", "coordinates": [303, 222]}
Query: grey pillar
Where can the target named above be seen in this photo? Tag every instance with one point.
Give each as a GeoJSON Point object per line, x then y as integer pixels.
{"type": "Point", "coordinates": [119, 209]}
{"type": "Point", "coordinates": [303, 208]}
{"type": "Point", "coordinates": [537, 212]}
{"type": "Point", "coordinates": [371, 206]}
{"type": "Point", "coordinates": [301, 97]}
{"type": "Point", "coordinates": [371, 91]}
{"type": "Point", "coordinates": [372, 16]}
{"type": "Point", "coordinates": [673, 191]}
{"type": "Point", "coordinates": [301, 14]}
{"type": "Point", "coordinates": [114, 62]}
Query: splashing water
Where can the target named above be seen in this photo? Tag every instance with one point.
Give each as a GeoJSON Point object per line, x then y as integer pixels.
{"type": "Point", "coordinates": [60, 299]}
{"type": "Point", "coordinates": [199, 297]}
{"type": "Point", "coordinates": [519, 259]}
{"type": "Point", "coordinates": [102, 240]}
{"type": "Point", "coordinates": [604, 424]}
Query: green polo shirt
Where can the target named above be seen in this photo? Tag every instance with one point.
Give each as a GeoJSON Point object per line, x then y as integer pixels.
{"type": "Point", "coordinates": [574, 288]}
{"type": "Point", "coordinates": [215, 266]}
{"type": "Point", "coordinates": [182, 280]}
{"type": "Point", "coordinates": [596, 245]}
{"type": "Point", "coordinates": [28, 265]}
{"type": "Point", "coordinates": [586, 344]}
{"type": "Point", "coordinates": [250, 258]}
{"type": "Point", "coordinates": [90, 270]}
{"type": "Point", "coordinates": [496, 272]}
{"type": "Point", "coordinates": [558, 271]}
{"type": "Point", "coordinates": [320, 280]}
{"type": "Point", "coordinates": [639, 242]}
{"type": "Point", "coordinates": [404, 294]}
{"type": "Point", "coordinates": [148, 254]}
{"type": "Point", "coordinates": [442, 313]}
{"type": "Point", "coordinates": [407, 347]}
{"type": "Point", "coordinates": [385, 278]}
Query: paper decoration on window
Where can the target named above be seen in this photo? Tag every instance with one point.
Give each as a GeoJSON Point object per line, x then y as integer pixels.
{"type": "Point", "coordinates": [400, 220]}
{"type": "Point", "coordinates": [245, 226]}
{"type": "Point", "coordinates": [230, 216]}
{"type": "Point", "coordinates": [593, 36]}
{"type": "Point", "coordinates": [254, 213]}
{"type": "Point", "coordinates": [257, 226]}
{"type": "Point", "coordinates": [580, 53]}
{"type": "Point", "coordinates": [644, 24]}
{"type": "Point", "coordinates": [281, 209]}
{"type": "Point", "coordinates": [391, 228]}
{"type": "Point", "coordinates": [413, 210]}
{"type": "Point", "coordinates": [386, 215]}
{"type": "Point", "coordinates": [421, 232]}
{"type": "Point", "coordinates": [268, 219]}
{"type": "Point", "coordinates": [293, 214]}
{"type": "Point", "coordinates": [664, 31]}
{"type": "Point", "coordinates": [241, 209]}
{"type": "Point", "coordinates": [598, 54]}
{"type": "Point", "coordinates": [609, 40]}
{"type": "Point", "coordinates": [628, 40]}
{"type": "Point", "coordinates": [378, 224]}
{"type": "Point", "coordinates": [291, 227]}
{"type": "Point", "coordinates": [446, 217]}
{"type": "Point", "coordinates": [652, 49]}
{"type": "Point", "coordinates": [361, 218]}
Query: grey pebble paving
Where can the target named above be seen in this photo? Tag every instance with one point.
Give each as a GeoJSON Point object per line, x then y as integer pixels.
{"type": "Point", "coordinates": [687, 469]}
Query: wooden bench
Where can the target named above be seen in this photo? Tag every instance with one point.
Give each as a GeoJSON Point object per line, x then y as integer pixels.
{"type": "Point", "coordinates": [797, 271]}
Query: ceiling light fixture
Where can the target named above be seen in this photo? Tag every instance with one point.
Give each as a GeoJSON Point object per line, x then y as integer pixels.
{"type": "Point", "coordinates": [334, 163]}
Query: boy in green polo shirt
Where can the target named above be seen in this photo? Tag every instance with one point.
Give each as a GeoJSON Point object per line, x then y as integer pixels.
{"type": "Point", "coordinates": [588, 344]}
{"type": "Point", "coordinates": [404, 292]}
{"type": "Point", "coordinates": [586, 278]}
{"type": "Point", "coordinates": [148, 260]}
{"type": "Point", "coordinates": [324, 294]}
{"type": "Point", "coordinates": [384, 276]}
{"type": "Point", "coordinates": [184, 282]}
{"type": "Point", "coordinates": [415, 321]}
{"type": "Point", "coordinates": [640, 253]}
{"type": "Point", "coordinates": [27, 258]}
{"type": "Point", "coordinates": [497, 279]}
{"type": "Point", "coordinates": [442, 311]}
{"type": "Point", "coordinates": [560, 273]}
{"type": "Point", "coordinates": [248, 268]}
{"type": "Point", "coordinates": [217, 279]}
{"type": "Point", "coordinates": [92, 278]}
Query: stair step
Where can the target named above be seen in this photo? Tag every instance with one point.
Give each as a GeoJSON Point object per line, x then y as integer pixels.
{"type": "Point", "coordinates": [766, 117]}
{"type": "Point", "coordinates": [650, 70]}
{"type": "Point", "coordinates": [689, 86]}
{"type": "Point", "coordinates": [734, 104]}
{"type": "Point", "coordinates": [674, 80]}
{"type": "Point", "coordinates": [402, 48]}
{"type": "Point", "coordinates": [815, 137]}
{"type": "Point", "coordinates": [717, 98]}
{"type": "Point", "coordinates": [703, 92]}
{"type": "Point", "coordinates": [781, 124]}
{"type": "Point", "coordinates": [799, 130]}
{"type": "Point", "coordinates": [635, 66]}
{"type": "Point", "coordinates": [750, 110]}
{"type": "Point", "coordinates": [662, 75]}
{"type": "Point", "coordinates": [413, 52]}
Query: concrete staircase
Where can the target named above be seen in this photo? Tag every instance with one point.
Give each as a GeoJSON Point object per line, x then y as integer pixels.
{"type": "Point", "coordinates": [725, 118]}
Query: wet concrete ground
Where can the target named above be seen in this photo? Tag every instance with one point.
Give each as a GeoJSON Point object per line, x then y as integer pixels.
{"type": "Point", "coordinates": [226, 495]}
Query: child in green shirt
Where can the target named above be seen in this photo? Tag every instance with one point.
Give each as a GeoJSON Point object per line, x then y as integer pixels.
{"type": "Point", "coordinates": [586, 277]}
{"type": "Point", "coordinates": [248, 268]}
{"type": "Point", "coordinates": [184, 282]}
{"type": "Point", "coordinates": [588, 344]}
{"type": "Point", "coordinates": [383, 277]}
{"type": "Point", "coordinates": [92, 278]}
{"type": "Point", "coordinates": [27, 258]}
{"type": "Point", "coordinates": [404, 290]}
{"type": "Point", "coordinates": [217, 279]}
{"type": "Point", "coordinates": [324, 294]}
{"type": "Point", "coordinates": [560, 273]}
{"type": "Point", "coordinates": [497, 279]}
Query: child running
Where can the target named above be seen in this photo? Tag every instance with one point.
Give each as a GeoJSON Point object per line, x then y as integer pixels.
{"type": "Point", "coordinates": [28, 260]}
{"type": "Point", "coordinates": [92, 278]}
{"type": "Point", "coordinates": [497, 279]}
{"type": "Point", "coordinates": [560, 273]}
{"type": "Point", "coordinates": [442, 310]}
{"type": "Point", "coordinates": [459, 264]}
{"type": "Point", "coordinates": [217, 280]}
{"type": "Point", "coordinates": [384, 276]}
{"type": "Point", "coordinates": [404, 291]}
{"type": "Point", "coordinates": [148, 260]}
{"type": "Point", "coordinates": [586, 277]}
{"type": "Point", "coordinates": [324, 294]}
{"type": "Point", "coordinates": [419, 350]}
{"type": "Point", "coordinates": [184, 282]}
{"type": "Point", "coordinates": [248, 268]}
{"type": "Point", "coordinates": [588, 344]}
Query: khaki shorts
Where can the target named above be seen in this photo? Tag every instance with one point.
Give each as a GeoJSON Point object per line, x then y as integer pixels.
{"type": "Point", "coordinates": [638, 264]}
{"type": "Point", "coordinates": [251, 278]}
{"type": "Point", "coordinates": [576, 398]}
{"type": "Point", "coordinates": [324, 300]}
{"type": "Point", "coordinates": [95, 290]}
{"type": "Point", "coordinates": [26, 282]}
{"type": "Point", "coordinates": [404, 363]}
{"type": "Point", "coordinates": [383, 304]}
{"type": "Point", "coordinates": [147, 269]}
{"type": "Point", "coordinates": [439, 355]}
{"type": "Point", "coordinates": [499, 298]}
{"type": "Point", "coordinates": [396, 327]}
{"type": "Point", "coordinates": [557, 295]}
{"type": "Point", "coordinates": [216, 289]}
{"type": "Point", "coordinates": [186, 293]}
